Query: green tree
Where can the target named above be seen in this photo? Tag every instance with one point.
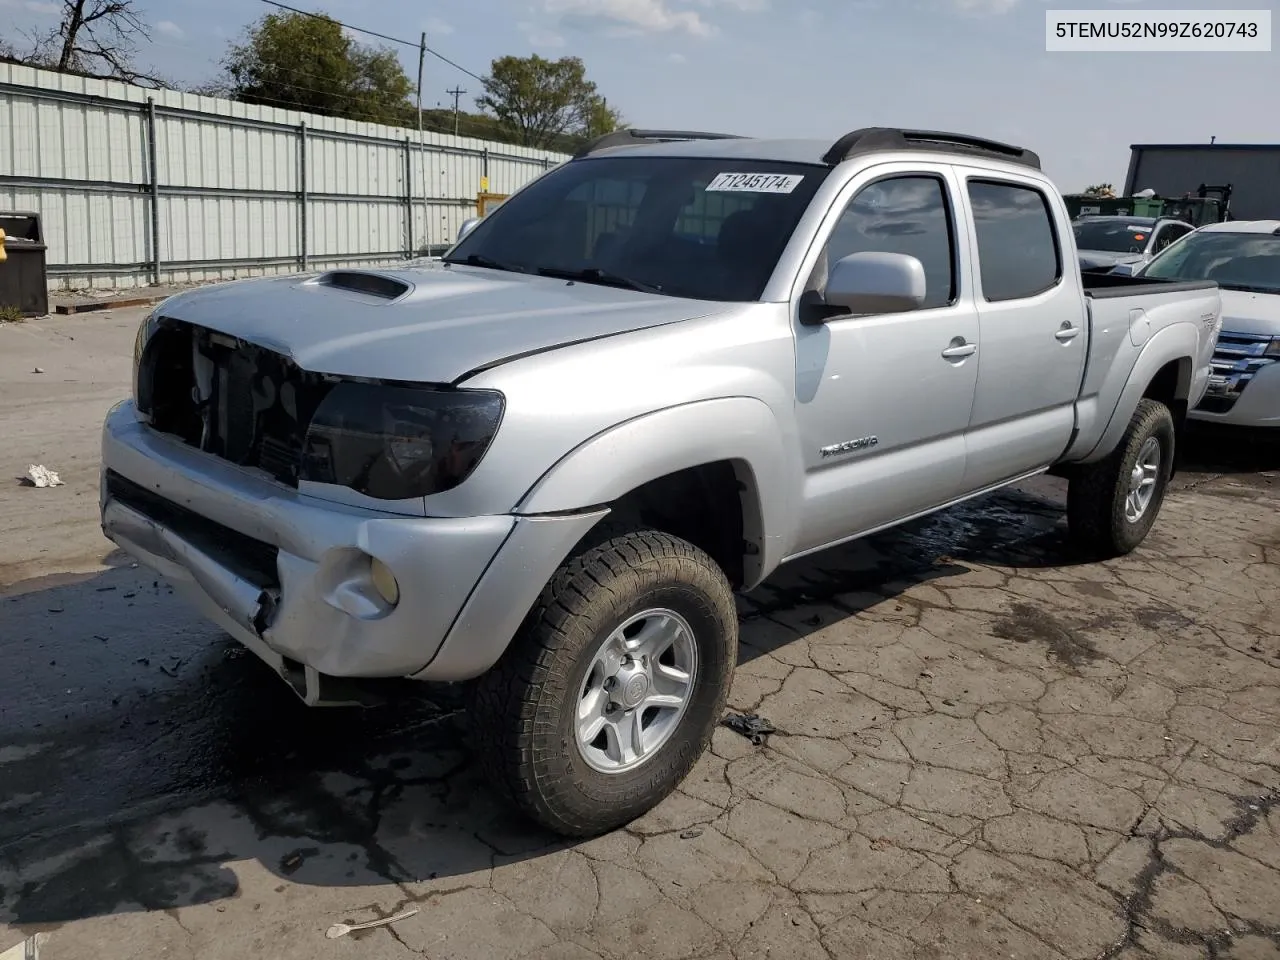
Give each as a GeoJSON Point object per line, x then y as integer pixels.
{"type": "Point", "coordinates": [541, 102]}
{"type": "Point", "coordinates": [306, 62]}
{"type": "Point", "coordinates": [600, 119]}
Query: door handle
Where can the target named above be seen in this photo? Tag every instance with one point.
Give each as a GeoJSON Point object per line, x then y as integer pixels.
{"type": "Point", "coordinates": [1067, 332]}
{"type": "Point", "coordinates": [959, 351]}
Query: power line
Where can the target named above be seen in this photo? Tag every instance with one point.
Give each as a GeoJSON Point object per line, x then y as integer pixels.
{"type": "Point", "coordinates": [381, 36]}
{"type": "Point", "coordinates": [322, 16]}
{"type": "Point", "coordinates": [483, 130]}
{"type": "Point", "coordinates": [423, 50]}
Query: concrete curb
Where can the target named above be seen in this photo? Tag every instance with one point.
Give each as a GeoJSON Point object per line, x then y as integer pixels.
{"type": "Point", "coordinates": [89, 306]}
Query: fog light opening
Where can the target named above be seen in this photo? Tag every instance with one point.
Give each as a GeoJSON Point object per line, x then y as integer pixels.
{"type": "Point", "coordinates": [384, 581]}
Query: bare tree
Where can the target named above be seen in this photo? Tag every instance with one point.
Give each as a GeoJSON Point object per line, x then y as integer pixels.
{"type": "Point", "coordinates": [96, 37]}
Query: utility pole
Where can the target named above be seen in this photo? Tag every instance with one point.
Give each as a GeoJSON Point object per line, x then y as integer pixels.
{"type": "Point", "coordinates": [455, 94]}
{"type": "Point", "coordinates": [422, 153]}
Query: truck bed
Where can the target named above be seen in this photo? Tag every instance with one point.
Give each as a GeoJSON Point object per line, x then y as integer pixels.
{"type": "Point", "coordinates": [1107, 285]}
{"type": "Point", "coordinates": [1127, 313]}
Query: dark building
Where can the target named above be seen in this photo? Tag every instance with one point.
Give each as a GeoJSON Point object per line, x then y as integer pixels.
{"type": "Point", "coordinates": [1171, 170]}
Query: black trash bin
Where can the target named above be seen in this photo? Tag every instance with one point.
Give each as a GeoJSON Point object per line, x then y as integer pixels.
{"type": "Point", "coordinates": [23, 276]}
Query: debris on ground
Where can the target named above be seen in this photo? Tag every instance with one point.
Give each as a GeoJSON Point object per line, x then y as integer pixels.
{"type": "Point", "coordinates": [41, 476]}
{"type": "Point", "coordinates": [342, 929]}
{"type": "Point", "coordinates": [691, 834]}
{"type": "Point", "coordinates": [752, 726]}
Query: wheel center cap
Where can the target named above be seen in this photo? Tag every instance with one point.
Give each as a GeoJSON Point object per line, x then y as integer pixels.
{"type": "Point", "coordinates": [634, 689]}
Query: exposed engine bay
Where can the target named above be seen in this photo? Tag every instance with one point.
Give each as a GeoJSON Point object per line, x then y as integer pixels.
{"type": "Point", "coordinates": [233, 399]}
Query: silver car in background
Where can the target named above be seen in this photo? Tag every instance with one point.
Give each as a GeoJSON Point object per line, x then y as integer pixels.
{"type": "Point", "coordinates": [1243, 258]}
{"type": "Point", "coordinates": [1110, 241]}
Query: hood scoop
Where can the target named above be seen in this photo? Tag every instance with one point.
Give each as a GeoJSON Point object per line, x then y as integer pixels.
{"type": "Point", "coordinates": [361, 281]}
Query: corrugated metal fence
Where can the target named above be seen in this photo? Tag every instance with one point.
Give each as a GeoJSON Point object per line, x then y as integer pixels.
{"type": "Point", "coordinates": [140, 186]}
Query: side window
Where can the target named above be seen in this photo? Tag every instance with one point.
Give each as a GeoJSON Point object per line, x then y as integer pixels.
{"type": "Point", "coordinates": [1018, 251]}
{"type": "Point", "coordinates": [1170, 233]}
{"type": "Point", "coordinates": [908, 215]}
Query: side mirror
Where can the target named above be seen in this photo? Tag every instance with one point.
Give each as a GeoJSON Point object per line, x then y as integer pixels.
{"type": "Point", "coordinates": [876, 283]}
{"type": "Point", "coordinates": [1125, 269]}
{"type": "Point", "coordinates": [468, 226]}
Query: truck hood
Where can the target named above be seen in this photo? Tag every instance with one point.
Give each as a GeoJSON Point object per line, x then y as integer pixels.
{"type": "Point", "coordinates": [430, 323]}
{"type": "Point", "coordinates": [1256, 313]}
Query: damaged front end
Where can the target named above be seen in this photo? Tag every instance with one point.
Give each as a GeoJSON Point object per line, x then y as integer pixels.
{"type": "Point", "coordinates": [233, 399]}
{"type": "Point", "coordinates": [290, 505]}
{"type": "Point", "coordinates": [390, 443]}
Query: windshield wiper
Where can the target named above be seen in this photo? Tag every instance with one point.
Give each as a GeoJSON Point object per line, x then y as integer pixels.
{"type": "Point", "coordinates": [480, 260]}
{"type": "Point", "coordinates": [596, 275]}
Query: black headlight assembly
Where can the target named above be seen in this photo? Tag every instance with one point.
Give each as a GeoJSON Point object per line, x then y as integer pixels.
{"type": "Point", "coordinates": [399, 442]}
{"type": "Point", "coordinates": [146, 328]}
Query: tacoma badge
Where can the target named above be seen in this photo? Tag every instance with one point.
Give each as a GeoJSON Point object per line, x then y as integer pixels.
{"type": "Point", "coordinates": [862, 443]}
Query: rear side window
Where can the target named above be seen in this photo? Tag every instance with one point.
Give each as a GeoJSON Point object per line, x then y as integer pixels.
{"type": "Point", "coordinates": [1018, 252]}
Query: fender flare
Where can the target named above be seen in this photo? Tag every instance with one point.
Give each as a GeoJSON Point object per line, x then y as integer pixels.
{"type": "Point", "coordinates": [1179, 342]}
{"type": "Point", "coordinates": [742, 430]}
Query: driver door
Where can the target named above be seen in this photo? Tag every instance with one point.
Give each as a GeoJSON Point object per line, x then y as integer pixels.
{"type": "Point", "coordinates": [883, 401]}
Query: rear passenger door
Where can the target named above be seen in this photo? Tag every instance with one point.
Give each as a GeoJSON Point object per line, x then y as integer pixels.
{"type": "Point", "coordinates": [1032, 324]}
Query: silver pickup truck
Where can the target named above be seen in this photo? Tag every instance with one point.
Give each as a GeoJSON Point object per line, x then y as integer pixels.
{"type": "Point", "coordinates": [659, 371]}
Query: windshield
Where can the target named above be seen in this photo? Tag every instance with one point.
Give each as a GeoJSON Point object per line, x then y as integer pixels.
{"type": "Point", "coordinates": [1113, 236]}
{"type": "Point", "coordinates": [699, 227]}
{"type": "Point", "coordinates": [1241, 261]}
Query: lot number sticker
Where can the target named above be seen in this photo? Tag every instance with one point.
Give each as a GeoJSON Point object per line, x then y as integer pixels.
{"type": "Point", "coordinates": [754, 183]}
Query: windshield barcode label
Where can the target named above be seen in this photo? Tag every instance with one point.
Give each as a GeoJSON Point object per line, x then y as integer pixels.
{"type": "Point", "coordinates": [754, 183]}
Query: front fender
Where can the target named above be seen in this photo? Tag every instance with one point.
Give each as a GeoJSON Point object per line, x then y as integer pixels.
{"type": "Point", "coordinates": [1178, 342]}
{"type": "Point", "coordinates": [742, 430]}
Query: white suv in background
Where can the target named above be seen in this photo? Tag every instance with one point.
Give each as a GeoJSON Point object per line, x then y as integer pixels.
{"type": "Point", "coordinates": [1243, 257]}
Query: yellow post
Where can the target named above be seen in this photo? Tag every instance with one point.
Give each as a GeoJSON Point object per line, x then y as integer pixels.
{"type": "Point", "coordinates": [3, 256]}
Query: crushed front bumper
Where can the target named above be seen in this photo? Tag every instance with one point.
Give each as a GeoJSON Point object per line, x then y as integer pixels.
{"type": "Point", "coordinates": [291, 576]}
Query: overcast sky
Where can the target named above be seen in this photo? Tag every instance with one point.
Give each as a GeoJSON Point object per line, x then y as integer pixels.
{"type": "Point", "coordinates": [801, 67]}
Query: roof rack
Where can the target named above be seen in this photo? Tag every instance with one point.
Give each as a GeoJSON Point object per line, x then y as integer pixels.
{"type": "Point", "coordinates": [635, 138]}
{"type": "Point", "coordinates": [875, 139]}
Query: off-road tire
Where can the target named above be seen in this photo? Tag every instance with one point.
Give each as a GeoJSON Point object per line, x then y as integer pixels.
{"type": "Point", "coordinates": [1096, 522]}
{"type": "Point", "coordinates": [522, 710]}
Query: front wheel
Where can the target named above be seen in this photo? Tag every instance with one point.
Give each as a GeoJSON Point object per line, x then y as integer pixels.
{"type": "Point", "coordinates": [613, 687]}
{"type": "Point", "coordinates": [1112, 504]}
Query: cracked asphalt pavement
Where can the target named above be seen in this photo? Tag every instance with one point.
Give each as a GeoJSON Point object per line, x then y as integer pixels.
{"type": "Point", "coordinates": [982, 749]}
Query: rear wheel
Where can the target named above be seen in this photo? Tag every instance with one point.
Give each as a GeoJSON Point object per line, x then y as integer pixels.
{"type": "Point", "coordinates": [614, 685]}
{"type": "Point", "coordinates": [1112, 504]}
